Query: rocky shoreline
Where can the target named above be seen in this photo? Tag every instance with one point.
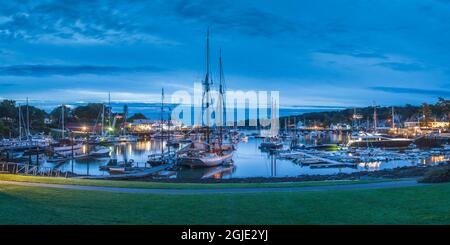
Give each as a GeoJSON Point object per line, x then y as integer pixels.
{"type": "Point", "coordinates": [396, 173]}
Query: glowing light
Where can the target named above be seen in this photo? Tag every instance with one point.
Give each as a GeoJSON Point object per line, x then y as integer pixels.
{"type": "Point", "coordinates": [436, 159]}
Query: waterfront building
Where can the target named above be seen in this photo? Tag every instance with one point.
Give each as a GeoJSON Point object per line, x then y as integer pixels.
{"type": "Point", "coordinates": [428, 125]}
{"type": "Point", "coordinates": [150, 125]}
{"type": "Point", "coordinates": [340, 126]}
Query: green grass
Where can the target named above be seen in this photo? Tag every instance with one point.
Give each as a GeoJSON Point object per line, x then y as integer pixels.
{"type": "Point", "coordinates": [162, 185]}
{"type": "Point", "coordinates": [412, 205]}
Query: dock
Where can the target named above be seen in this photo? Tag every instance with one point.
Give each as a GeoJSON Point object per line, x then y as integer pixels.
{"type": "Point", "coordinates": [30, 169]}
{"type": "Point", "coordinates": [325, 162]}
{"type": "Point", "coordinates": [133, 175]}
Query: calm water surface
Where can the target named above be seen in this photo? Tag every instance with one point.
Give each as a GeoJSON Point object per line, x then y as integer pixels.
{"type": "Point", "coordinates": [248, 161]}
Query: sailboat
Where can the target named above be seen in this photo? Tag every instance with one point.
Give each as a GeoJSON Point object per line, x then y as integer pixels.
{"type": "Point", "coordinates": [375, 139]}
{"type": "Point", "coordinates": [65, 148]}
{"type": "Point", "coordinates": [272, 142]}
{"type": "Point", "coordinates": [125, 137]}
{"type": "Point", "coordinates": [100, 152]}
{"type": "Point", "coordinates": [364, 139]}
{"type": "Point", "coordinates": [208, 154]}
{"type": "Point", "coordinates": [163, 157]}
{"type": "Point", "coordinates": [200, 154]}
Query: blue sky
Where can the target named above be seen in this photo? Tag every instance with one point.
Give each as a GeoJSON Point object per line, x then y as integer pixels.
{"type": "Point", "coordinates": [315, 52]}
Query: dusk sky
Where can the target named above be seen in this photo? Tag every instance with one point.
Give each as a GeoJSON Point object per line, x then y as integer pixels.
{"type": "Point", "coordinates": [321, 53]}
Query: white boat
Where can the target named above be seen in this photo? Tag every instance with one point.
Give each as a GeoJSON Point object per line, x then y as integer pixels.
{"type": "Point", "coordinates": [272, 141]}
{"type": "Point", "coordinates": [199, 154]}
{"type": "Point", "coordinates": [66, 147]}
{"type": "Point", "coordinates": [41, 140]}
{"type": "Point", "coordinates": [208, 159]}
{"type": "Point", "coordinates": [363, 139]}
{"type": "Point", "coordinates": [100, 152]}
{"type": "Point", "coordinates": [126, 138]}
{"type": "Point", "coordinates": [59, 158]}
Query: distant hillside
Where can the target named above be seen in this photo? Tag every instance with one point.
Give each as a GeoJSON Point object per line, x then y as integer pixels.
{"type": "Point", "coordinates": [439, 111]}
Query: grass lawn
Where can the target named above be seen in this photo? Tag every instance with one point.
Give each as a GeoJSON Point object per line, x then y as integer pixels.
{"type": "Point", "coordinates": [140, 184]}
{"type": "Point", "coordinates": [412, 205]}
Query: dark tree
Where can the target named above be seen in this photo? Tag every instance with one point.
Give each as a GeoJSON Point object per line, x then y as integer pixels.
{"type": "Point", "coordinates": [90, 112]}
{"type": "Point", "coordinates": [55, 115]}
{"type": "Point", "coordinates": [136, 116]}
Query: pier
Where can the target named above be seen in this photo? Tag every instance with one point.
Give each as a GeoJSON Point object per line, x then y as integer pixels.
{"type": "Point", "coordinates": [322, 161]}
{"type": "Point", "coordinates": [140, 173]}
{"type": "Point", "coordinates": [28, 169]}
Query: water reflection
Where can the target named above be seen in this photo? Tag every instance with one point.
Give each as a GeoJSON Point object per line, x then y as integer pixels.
{"type": "Point", "coordinates": [248, 160]}
{"type": "Point", "coordinates": [218, 172]}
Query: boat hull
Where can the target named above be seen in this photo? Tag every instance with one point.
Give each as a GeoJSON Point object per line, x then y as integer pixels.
{"type": "Point", "coordinates": [271, 146]}
{"type": "Point", "coordinates": [202, 162]}
{"type": "Point", "coordinates": [381, 143]}
{"type": "Point", "coordinates": [100, 153]}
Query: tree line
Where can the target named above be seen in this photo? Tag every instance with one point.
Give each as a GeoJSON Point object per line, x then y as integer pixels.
{"type": "Point", "coordinates": [439, 111]}
{"type": "Point", "coordinates": [41, 122]}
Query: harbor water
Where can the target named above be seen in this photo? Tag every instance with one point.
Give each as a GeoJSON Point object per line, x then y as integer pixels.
{"type": "Point", "coordinates": [248, 161]}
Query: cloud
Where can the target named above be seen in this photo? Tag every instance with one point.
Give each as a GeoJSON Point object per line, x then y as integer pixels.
{"type": "Point", "coordinates": [398, 66]}
{"type": "Point", "coordinates": [4, 52]}
{"type": "Point", "coordinates": [7, 85]}
{"type": "Point", "coordinates": [350, 51]}
{"type": "Point", "coordinates": [247, 20]}
{"type": "Point", "coordinates": [275, 44]}
{"type": "Point", "coordinates": [75, 22]}
{"type": "Point", "coordinates": [398, 90]}
{"type": "Point", "coordinates": [48, 70]}
{"type": "Point", "coordinates": [5, 19]}
{"type": "Point", "coordinates": [117, 96]}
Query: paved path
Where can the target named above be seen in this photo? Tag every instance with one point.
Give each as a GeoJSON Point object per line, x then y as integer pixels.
{"type": "Point", "coordinates": [377, 185]}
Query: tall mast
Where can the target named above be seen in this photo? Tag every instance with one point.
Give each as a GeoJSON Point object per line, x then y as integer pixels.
{"type": "Point", "coordinates": [285, 124]}
{"type": "Point", "coordinates": [222, 97]}
{"type": "Point", "coordinates": [375, 117]}
{"type": "Point", "coordinates": [161, 123]}
{"type": "Point", "coordinates": [103, 119]}
{"type": "Point", "coordinates": [169, 124]}
{"type": "Point", "coordinates": [222, 82]}
{"type": "Point", "coordinates": [20, 123]}
{"type": "Point", "coordinates": [125, 116]}
{"type": "Point", "coordinates": [206, 87]}
{"type": "Point", "coordinates": [28, 121]}
{"type": "Point", "coordinates": [295, 123]}
{"type": "Point", "coordinates": [62, 121]}
{"type": "Point", "coordinates": [393, 118]}
{"type": "Point", "coordinates": [273, 124]}
{"type": "Point", "coordinates": [110, 110]}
